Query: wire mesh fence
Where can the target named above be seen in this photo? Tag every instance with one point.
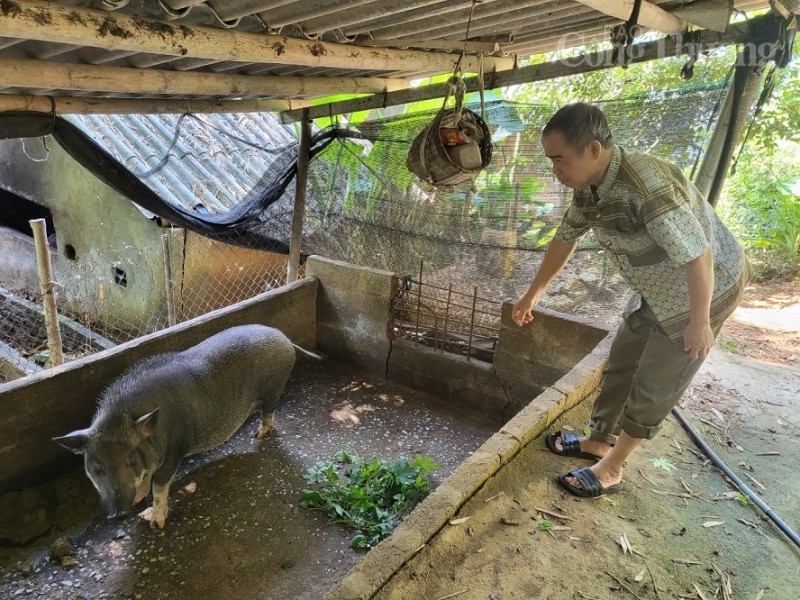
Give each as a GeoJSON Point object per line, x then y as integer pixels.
{"type": "Point", "coordinates": [127, 292]}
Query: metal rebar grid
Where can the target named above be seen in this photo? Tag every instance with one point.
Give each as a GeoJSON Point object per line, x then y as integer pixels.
{"type": "Point", "coordinates": [447, 319]}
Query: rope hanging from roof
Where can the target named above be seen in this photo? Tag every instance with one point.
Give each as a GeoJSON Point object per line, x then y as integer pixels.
{"type": "Point", "coordinates": [457, 144]}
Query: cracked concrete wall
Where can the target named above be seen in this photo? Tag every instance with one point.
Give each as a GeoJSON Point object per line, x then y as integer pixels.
{"type": "Point", "coordinates": [354, 312]}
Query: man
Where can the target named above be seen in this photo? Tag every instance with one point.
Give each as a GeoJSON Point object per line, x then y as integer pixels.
{"type": "Point", "coordinates": [686, 269]}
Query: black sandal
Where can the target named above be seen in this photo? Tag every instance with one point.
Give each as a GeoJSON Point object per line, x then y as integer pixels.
{"type": "Point", "coordinates": [590, 485]}
{"type": "Point", "coordinates": [570, 446]}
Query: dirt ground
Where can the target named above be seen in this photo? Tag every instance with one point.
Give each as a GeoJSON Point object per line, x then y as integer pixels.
{"type": "Point", "coordinates": [678, 529]}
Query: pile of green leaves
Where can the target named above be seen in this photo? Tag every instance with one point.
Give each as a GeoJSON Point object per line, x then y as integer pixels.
{"type": "Point", "coordinates": [370, 496]}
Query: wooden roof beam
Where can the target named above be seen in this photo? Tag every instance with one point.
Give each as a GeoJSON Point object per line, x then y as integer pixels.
{"type": "Point", "coordinates": [46, 21]}
{"type": "Point", "coordinates": [448, 45]}
{"type": "Point", "coordinates": [651, 15]}
{"type": "Point", "coordinates": [26, 74]}
{"type": "Point", "coordinates": [71, 105]}
{"type": "Point", "coordinates": [676, 45]}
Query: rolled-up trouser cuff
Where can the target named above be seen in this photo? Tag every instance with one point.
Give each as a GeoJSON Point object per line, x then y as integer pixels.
{"type": "Point", "coordinates": [635, 430]}
{"type": "Point", "coordinates": [599, 436]}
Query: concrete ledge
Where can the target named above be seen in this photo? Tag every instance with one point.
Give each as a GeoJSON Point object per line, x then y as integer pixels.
{"type": "Point", "coordinates": [431, 515]}
{"type": "Point", "coordinates": [13, 365]}
{"type": "Point", "coordinates": [74, 334]}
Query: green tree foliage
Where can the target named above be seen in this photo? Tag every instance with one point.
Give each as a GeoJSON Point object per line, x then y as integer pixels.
{"type": "Point", "coordinates": [606, 84]}
{"type": "Point", "coordinates": [762, 205]}
{"type": "Point", "coordinates": [779, 118]}
{"type": "Point", "coordinates": [762, 194]}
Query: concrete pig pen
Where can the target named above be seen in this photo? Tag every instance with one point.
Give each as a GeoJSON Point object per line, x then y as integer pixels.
{"type": "Point", "coordinates": [234, 528]}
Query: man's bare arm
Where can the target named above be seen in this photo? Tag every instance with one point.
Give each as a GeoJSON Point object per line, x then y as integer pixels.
{"type": "Point", "coordinates": [557, 255]}
{"type": "Point", "coordinates": [698, 337]}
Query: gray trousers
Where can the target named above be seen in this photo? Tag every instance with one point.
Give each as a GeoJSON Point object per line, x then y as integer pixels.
{"type": "Point", "coordinates": [644, 378]}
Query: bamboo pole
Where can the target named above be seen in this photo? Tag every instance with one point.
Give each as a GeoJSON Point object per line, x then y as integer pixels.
{"type": "Point", "coordinates": [49, 22]}
{"type": "Point", "coordinates": [47, 285]}
{"type": "Point", "coordinates": [299, 199]}
{"type": "Point", "coordinates": [651, 15]}
{"type": "Point", "coordinates": [709, 166]}
{"type": "Point", "coordinates": [449, 45]}
{"type": "Point", "coordinates": [170, 285]}
{"type": "Point", "coordinates": [69, 105]}
{"type": "Point", "coordinates": [21, 73]}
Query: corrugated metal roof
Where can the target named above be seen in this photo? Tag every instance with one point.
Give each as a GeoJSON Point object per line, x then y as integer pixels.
{"type": "Point", "coordinates": [200, 162]}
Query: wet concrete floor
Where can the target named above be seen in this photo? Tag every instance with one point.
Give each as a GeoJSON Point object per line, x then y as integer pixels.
{"type": "Point", "coordinates": [234, 527]}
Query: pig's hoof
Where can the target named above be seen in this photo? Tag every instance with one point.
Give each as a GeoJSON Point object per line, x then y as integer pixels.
{"type": "Point", "coordinates": [263, 431]}
{"type": "Point", "coordinates": [156, 521]}
{"type": "Point", "coordinates": [267, 424]}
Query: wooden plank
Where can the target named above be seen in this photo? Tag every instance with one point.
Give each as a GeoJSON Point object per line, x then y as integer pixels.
{"type": "Point", "coordinates": [449, 45]}
{"type": "Point", "coordinates": [50, 22]}
{"type": "Point", "coordinates": [69, 105]}
{"type": "Point", "coordinates": [650, 15]}
{"type": "Point", "coordinates": [21, 73]}
{"type": "Point", "coordinates": [586, 63]}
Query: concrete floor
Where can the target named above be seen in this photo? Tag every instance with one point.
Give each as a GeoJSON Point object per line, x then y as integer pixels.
{"type": "Point", "coordinates": [234, 528]}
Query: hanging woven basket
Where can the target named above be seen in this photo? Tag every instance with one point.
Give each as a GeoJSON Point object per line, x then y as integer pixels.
{"type": "Point", "coordinates": [453, 148]}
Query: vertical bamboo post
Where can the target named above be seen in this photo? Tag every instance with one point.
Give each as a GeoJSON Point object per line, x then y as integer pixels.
{"type": "Point", "coordinates": [419, 299]}
{"type": "Point", "coordinates": [447, 311]}
{"type": "Point", "coordinates": [472, 322]}
{"type": "Point", "coordinates": [170, 285]}
{"type": "Point", "coordinates": [303, 156]}
{"type": "Point", "coordinates": [46, 285]}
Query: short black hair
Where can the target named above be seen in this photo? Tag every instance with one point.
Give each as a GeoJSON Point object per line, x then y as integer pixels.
{"type": "Point", "coordinates": [580, 123]}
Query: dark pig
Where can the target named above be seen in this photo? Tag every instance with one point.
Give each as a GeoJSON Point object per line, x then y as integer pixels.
{"type": "Point", "coordinates": [176, 404]}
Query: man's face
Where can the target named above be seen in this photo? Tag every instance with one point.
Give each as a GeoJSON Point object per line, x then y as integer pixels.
{"type": "Point", "coordinates": [572, 168]}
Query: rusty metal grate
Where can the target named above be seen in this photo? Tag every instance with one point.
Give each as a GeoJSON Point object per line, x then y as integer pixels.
{"type": "Point", "coordinates": [447, 319]}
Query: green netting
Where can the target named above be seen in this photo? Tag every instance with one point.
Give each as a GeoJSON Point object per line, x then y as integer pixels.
{"type": "Point", "coordinates": [367, 208]}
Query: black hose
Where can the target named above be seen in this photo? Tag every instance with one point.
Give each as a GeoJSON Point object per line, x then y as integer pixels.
{"type": "Point", "coordinates": [733, 477]}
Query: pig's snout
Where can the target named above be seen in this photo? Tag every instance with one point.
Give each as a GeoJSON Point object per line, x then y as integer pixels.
{"type": "Point", "coordinates": [116, 507]}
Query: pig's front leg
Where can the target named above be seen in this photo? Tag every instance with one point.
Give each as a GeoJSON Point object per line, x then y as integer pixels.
{"type": "Point", "coordinates": [143, 489]}
{"type": "Point", "coordinates": [161, 482]}
{"type": "Point", "coordinates": [158, 516]}
{"type": "Point", "coordinates": [267, 424]}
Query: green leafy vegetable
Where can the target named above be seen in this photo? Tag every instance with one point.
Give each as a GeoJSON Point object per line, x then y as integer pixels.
{"type": "Point", "coordinates": [370, 496]}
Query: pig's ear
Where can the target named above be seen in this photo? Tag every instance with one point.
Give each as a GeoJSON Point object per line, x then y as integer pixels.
{"type": "Point", "coordinates": [75, 441]}
{"type": "Point", "coordinates": [146, 424]}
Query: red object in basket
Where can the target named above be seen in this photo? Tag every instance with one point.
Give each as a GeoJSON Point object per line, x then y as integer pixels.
{"type": "Point", "coordinates": [451, 136]}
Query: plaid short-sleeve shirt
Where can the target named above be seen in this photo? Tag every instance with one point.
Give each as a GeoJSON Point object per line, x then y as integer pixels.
{"type": "Point", "coordinates": [652, 220]}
